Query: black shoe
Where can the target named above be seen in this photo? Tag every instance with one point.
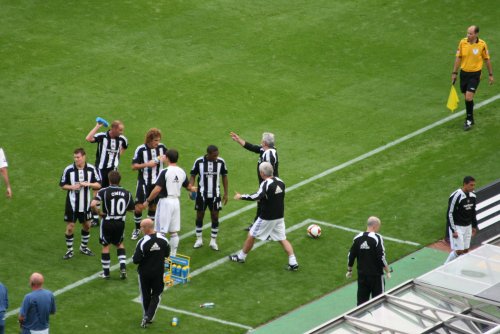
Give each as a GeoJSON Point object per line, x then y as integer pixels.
{"type": "Point", "coordinates": [144, 322]}
{"type": "Point", "coordinates": [248, 228]}
{"type": "Point", "coordinates": [468, 125]}
{"type": "Point", "coordinates": [294, 267]}
{"type": "Point", "coordinates": [235, 258]}
{"type": "Point", "coordinates": [123, 274]}
{"type": "Point", "coordinates": [69, 254]}
{"type": "Point", "coordinates": [95, 222]}
{"type": "Point", "coordinates": [86, 251]}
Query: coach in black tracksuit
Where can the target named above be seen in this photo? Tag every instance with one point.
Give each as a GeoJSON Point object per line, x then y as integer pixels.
{"type": "Point", "coordinates": [150, 255]}
{"type": "Point", "coordinates": [368, 248]}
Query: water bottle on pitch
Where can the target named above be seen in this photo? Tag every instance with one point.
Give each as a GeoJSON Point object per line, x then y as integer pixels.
{"type": "Point", "coordinates": [207, 305]}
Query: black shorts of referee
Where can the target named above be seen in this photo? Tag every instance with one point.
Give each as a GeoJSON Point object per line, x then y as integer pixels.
{"type": "Point", "coordinates": [469, 81]}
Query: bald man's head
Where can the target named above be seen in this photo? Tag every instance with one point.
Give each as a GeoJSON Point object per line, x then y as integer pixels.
{"type": "Point", "coordinates": [147, 226]}
{"type": "Point", "coordinates": [472, 33]}
{"type": "Point", "coordinates": [36, 280]}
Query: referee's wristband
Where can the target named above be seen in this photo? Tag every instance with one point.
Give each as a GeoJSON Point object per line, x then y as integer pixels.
{"type": "Point", "coordinates": [454, 72]}
{"type": "Point", "coordinates": [349, 270]}
{"type": "Point", "coordinates": [491, 74]}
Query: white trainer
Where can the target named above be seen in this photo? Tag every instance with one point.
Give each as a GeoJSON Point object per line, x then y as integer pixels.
{"type": "Point", "coordinates": [213, 245]}
{"type": "Point", "coordinates": [198, 243]}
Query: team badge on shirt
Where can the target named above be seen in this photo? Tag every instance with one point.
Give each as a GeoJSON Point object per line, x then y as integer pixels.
{"type": "Point", "coordinates": [475, 51]}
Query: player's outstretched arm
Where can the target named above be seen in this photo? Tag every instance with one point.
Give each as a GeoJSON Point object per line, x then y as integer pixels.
{"type": "Point", "coordinates": [90, 137]}
{"type": "Point", "coordinates": [237, 138]}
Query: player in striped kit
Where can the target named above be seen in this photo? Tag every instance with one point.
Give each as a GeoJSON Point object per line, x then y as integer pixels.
{"type": "Point", "coordinates": [116, 201]}
{"type": "Point", "coordinates": [110, 146]}
{"type": "Point", "coordinates": [209, 168]}
{"type": "Point", "coordinates": [148, 160]}
{"type": "Point", "coordinates": [79, 179]}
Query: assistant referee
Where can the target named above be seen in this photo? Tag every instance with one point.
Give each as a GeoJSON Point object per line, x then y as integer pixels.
{"type": "Point", "coordinates": [471, 53]}
{"type": "Point", "coordinates": [368, 248]}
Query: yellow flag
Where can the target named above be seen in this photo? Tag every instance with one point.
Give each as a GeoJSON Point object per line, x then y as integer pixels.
{"type": "Point", "coordinates": [452, 99]}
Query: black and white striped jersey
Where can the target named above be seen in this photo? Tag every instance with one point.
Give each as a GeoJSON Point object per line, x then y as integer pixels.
{"type": "Point", "coordinates": [171, 179]}
{"type": "Point", "coordinates": [144, 154]}
{"type": "Point", "coordinates": [461, 209]}
{"type": "Point", "coordinates": [271, 195]}
{"type": "Point", "coordinates": [270, 155]}
{"type": "Point", "coordinates": [79, 200]}
{"type": "Point", "coordinates": [368, 249]}
{"type": "Point", "coordinates": [108, 150]}
{"type": "Point", "coordinates": [115, 202]}
{"type": "Point", "coordinates": [209, 176]}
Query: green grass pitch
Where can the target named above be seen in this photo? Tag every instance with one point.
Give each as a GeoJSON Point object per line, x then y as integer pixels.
{"type": "Point", "coordinates": [332, 79]}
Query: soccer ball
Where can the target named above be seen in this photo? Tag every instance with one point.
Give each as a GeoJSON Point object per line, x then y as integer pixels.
{"type": "Point", "coordinates": [314, 231]}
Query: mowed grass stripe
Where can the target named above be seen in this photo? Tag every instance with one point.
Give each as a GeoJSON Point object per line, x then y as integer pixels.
{"type": "Point", "coordinates": [297, 185]}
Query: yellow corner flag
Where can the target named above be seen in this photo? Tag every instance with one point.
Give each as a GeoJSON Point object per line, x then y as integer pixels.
{"type": "Point", "coordinates": [452, 99]}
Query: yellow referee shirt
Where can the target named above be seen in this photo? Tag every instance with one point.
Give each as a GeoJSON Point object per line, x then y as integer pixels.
{"type": "Point", "coordinates": [472, 55]}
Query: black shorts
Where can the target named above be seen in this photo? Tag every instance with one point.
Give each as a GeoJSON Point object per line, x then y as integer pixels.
{"type": "Point", "coordinates": [213, 204]}
{"type": "Point", "coordinates": [71, 216]}
{"type": "Point", "coordinates": [104, 176]}
{"type": "Point", "coordinates": [469, 81]}
{"type": "Point", "coordinates": [143, 191]}
{"type": "Point", "coordinates": [111, 232]}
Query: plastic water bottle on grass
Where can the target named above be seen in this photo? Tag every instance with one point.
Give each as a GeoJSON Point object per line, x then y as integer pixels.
{"type": "Point", "coordinates": [207, 305]}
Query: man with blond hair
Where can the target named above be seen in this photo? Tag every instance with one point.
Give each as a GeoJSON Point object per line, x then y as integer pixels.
{"type": "Point", "coordinates": [110, 146]}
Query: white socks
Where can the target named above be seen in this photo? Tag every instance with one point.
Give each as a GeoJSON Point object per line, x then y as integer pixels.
{"type": "Point", "coordinates": [292, 260]}
{"type": "Point", "coordinates": [242, 255]}
{"type": "Point", "coordinates": [174, 243]}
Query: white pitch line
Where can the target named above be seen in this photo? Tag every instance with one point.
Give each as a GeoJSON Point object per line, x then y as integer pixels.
{"type": "Point", "coordinates": [197, 315]}
{"type": "Point", "coordinates": [302, 183]}
{"type": "Point", "coordinates": [358, 231]}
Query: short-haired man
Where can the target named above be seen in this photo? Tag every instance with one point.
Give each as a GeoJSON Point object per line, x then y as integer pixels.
{"type": "Point", "coordinates": [209, 168]}
{"type": "Point", "coordinates": [5, 173]}
{"type": "Point", "coordinates": [115, 201]}
{"type": "Point", "coordinates": [271, 222]}
{"type": "Point", "coordinates": [471, 53]}
{"type": "Point", "coordinates": [461, 218]}
{"type": "Point", "coordinates": [168, 188]}
{"type": "Point", "coordinates": [368, 248]}
{"type": "Point", "coordinates": [111, 145]}
{"type": "Point", "coordinates": [267, 153]}
{"type": "Point", "coordinates": [79, 179]}
{"type": "Point", "coordinates": [148, 162]}
{"type": "Point", "coordinates": [36, 308]}
{"type": "Point", "coordinates": [150, 254]}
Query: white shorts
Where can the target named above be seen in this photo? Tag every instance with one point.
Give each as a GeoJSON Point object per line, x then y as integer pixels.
{"type": "Point", "coordinates": [463, 240]}
{"type": "Point", "coordinates": [268, 229]}
{"type": "Point", "coordinates": [168, 215]}
{"type": "Point", "coordinates": [43, 331]}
